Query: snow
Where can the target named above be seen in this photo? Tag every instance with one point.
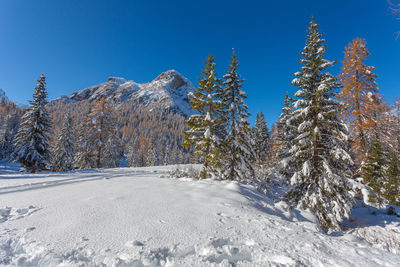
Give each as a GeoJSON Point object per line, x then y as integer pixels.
{"type": "Point", "coordinates": [139, 217]}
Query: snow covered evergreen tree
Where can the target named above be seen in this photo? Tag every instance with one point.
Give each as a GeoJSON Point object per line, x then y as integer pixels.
{"type": "Point", "coordinates": [64, 148]}
{"type": "Point", "coordinates": [261, 139]}
{"type": "Point", "coordinates": [286, 132]}
{"type": "Point", "coordinates": [392, 184]}
{"type": "Point", "coordinates": [206, 128]}
{"type": "Point", "coordinates": [10, 132]}
{"type": "Point", "coordinates": [238, 147]}
{"type": "Point", "coordinates": [374, 172]}
{"type": "Point", "coordinates": [319, 152]}
{"type": "Point", "coordinates": [32, 140]}
{"type": "Point", "coordinates": [84, 157]}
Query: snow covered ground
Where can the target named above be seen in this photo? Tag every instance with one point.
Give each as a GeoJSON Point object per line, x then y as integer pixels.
{"type": "Point", "coordinates": [139, 217]}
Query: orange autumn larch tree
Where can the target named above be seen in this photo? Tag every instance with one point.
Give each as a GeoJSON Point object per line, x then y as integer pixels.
{"type": "Point", "coordinates": [360, 94]}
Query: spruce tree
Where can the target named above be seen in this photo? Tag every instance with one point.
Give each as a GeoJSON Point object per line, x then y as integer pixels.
{"type": "Point", "coordinates": [319, 152]}
{"type": "Point", "coordinates": [392, 184]}
{"type": "Point", "coordinates": [206, 128]}
{"type": "Point", "coordinates": [238, 147]}
{"type": "Point", "coordinates": [10, 132]}
{"type": "Point", "coordinates": [374, 172]}
{"type": "Point", "coordinates": [32, 140]}
{"type": "Point", "coordinates": [84, 157]}
{"type": "Point", "coordinates": [286, 132]}
{"type": "Point", "coordinates": [261, 139]}
{"type": "Point", "coordinates": [64, 149]}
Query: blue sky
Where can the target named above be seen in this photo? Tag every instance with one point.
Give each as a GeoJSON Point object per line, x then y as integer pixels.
{"type": "Point", "coordinates": [79, 43]}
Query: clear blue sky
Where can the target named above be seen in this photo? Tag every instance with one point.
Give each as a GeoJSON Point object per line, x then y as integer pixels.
{"type": "Point", "coordinates": [79, 43]}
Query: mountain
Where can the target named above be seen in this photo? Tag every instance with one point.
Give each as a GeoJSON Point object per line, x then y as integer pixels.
{"type": "Point", "coordinates": [168, 91]}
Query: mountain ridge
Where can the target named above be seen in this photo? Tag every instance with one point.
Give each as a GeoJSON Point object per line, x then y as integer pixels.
{"type": "Point", "coordinates": [169, 90]}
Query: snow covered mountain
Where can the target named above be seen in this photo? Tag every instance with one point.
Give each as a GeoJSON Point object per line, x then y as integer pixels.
{"type": "Point", "coordinates": [169, 91]}
{"type": "Point", "coordinates": [3, 95]}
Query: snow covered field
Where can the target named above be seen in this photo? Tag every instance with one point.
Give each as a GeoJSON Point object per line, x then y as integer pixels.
{"type": "Point", "coordinates": [139, 217]}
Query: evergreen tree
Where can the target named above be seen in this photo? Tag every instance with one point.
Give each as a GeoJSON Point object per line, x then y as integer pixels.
{"type": "Point", "coordinates": [286, 132]}
{"type": "Point", "coordinates": [10, 132]}
{"type": "Point", "coordinates": [238, 147]}
{"type": "Point", "coordinates": [32, 140]}
{"type": "Point", "coordinates": [84, 157]}
{"type": "Point", "coordinates": [319, 153]}
{"type": "Point", "coordinates": [206, 128]}
{"type": "Point", "coordinates": [64, 149]}
{"type": "Point", "coordinates": [374, 172]}
{"type": "Point", "coordinates": [261, 139]}
{"type": "Point", "coordinates": [392, 185]}
{"type": "Point", "coordinates": [131, 155]}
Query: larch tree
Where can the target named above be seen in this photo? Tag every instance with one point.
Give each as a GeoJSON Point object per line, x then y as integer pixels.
{"type": "Point", "coordinates": [207, 127]}
{"type": "Point", "coordinates": [103, 136]}
{"type": "Point", "coordinates": [64, 148]}
{"type": "Point", "coordinates": [363, 105]}
{"type": "Point", "coordinates": [99, 138]}
{"type": "Point", "coordinates": [238, 147]}
{"type": "Point", "coordinates": [321, 163]}
{"type": "Point", "coordinates": [32, 147]}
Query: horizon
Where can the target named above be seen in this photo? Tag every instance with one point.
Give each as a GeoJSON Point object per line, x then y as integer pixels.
{"type": "Point", "coordinates": [78, 44]}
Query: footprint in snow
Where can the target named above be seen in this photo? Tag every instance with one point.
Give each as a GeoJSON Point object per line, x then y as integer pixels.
{"type": "Point", "coordinates": [135, 243]}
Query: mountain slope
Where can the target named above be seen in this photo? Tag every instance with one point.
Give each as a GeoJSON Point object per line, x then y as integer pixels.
{"type": "Point", "coordinates": [168, 91]}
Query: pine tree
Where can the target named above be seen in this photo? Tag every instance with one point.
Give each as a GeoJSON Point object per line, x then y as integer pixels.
{"type": "Point", "coordinates": [286, 132]}
{"type": "Point", "coordinates": [238, 147]}
{"type": "Point", "coordinates": [318, 154]}
{"type": "Point", "coordinates": [32, 140]}
{"type": "Point", "coordinates": [363, 105]}
{"type": "Point", "coordinates": [206, 128]}
{"type": "Point", "coordinates": [374, 172]}
{"type": "Point", "coordinates": [64, 149]}
{"type": "Point", "coordinates": [392, 184]}
{"type": "Point", "coordinates": [261, 139]}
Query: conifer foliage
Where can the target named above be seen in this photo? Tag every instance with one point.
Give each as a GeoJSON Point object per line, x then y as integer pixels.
{"type": "Point", "coordinates": [238, 146]}
{"type": "Point", "coordinates": [318, 155]}
{"type": "Point", "coordinates": [206, 128]}
{"type": "Point", "coordinates": [32, 140]}
{"type": "Point", "coordinates": [261, 139]}
{"type": "Point", "coordinates": [64, 149]}
{"type": "Point", "coordinates": [286, 132]}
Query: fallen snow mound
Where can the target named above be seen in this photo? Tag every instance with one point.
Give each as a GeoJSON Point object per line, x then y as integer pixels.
{"type": "Point", "coordinates": [139, 217]}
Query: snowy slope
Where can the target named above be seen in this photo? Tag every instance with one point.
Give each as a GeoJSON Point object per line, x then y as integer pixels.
{"type": "Point", "coordinates": [169, 91]}
{"type": "Point", "coordinates": [138, 217]}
